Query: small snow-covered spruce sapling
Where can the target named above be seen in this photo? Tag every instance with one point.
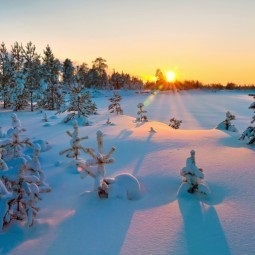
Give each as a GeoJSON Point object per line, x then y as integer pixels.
{"type": "Point", "coordinates": [193, 178]}
{"type": "Point", "coordinates": [109, 123]}
{"type": "Point", "coordinates": [16, 125]}
{"type": "Point", "coordinates": [115, 104]}
{"type": "Point", "coordinates": [22, 194]}
{"type": "Point", "coordinates": [2, 134]}
{"type": "Point", "coordinates": [98, 160]}
{"type": "Point", "coordinates": [34, 169]}
{"type": "Point", "coordinates": [45, 117]}
{"type": "Point", "coordinates": [76, 147]}
{"type": "Point", "coordinates": [5, 197]}
{"type": "Point", "coordinates": [174, 123]}
{"type": "Point", "coordinates": [79, 107]}
{"type": "Point", "coordinates": [141, 113]}
{"type": "Point", "coordinates": [13, 147]}
{"type": "Point", "coordinates": [227, 123]}
{"type": "Point", "coordinates": [124, 185]}
{"type": "Point", "coordinates": [249, 132]}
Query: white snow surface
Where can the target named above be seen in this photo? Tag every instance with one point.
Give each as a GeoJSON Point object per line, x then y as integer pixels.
{"type": "Point", "coordinates": [74, 220]}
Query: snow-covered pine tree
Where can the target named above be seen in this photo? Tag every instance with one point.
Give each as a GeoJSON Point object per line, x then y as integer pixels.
{"type": "Point", "coordinates": [192, 177]}
{"type": "Point", "coordinates": [174, 123]}
{"type": "Point", "coordinates": [53, 97]}
{"type": "Point", "coordinates": [24, 194]}
{"type": "Point", "coordinates": [6, 75]}
{"type": "Point", "coordinates": [227, 123]}
{"type": "Point", "coordinates": [136, 83]}
{"type": "Point", "coordinates": [115, 104]}
{"type": "Point", "coordinates": [124, 81]}
{"type": "Point", "coordinates": [97, 76]}
{"type": "Point", "coordinates": [76, 147]}
{"type": "Point", "coordinates": [68, 74]}
{"type": "Point", "coordinates": [16, 124]}
{"type": "Point", "coordinates": [81, 75]}
{"type": "Point", "coordinates": [98, 159]}
{"type": "Point", "coordinates": [80, 106]}
{"type": "Point", "coordinates": [5, 197]}
{"type": "Point", "coordinates": [34, 169]}
{"type": "Point", "coordinates": [32, 70]}
{"type": "Point", "coordinates": [141, 113]}
{"type": "Point", "coordinates": [18, 57]}
{"type": "Point", "coordinates": [249, 132]}
{"type": "Point", "coordinates": [117, 80]}
{"type": "Point", "coordinates": [12, 148]}
{"type": "Point", "coordinates": [19, 95]}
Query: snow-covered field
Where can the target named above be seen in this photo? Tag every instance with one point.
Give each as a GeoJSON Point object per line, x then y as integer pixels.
{"type": "Point", "coordinates": [73, 220]}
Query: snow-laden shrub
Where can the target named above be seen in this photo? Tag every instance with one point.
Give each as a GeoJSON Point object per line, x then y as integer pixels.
{"type": "Point", "coordinates": [123, 185]}
{"type": "Point", "coordinates": [174, 123]}
{"type": "Point", "coordinates": [115, 104]}
{"type": "Point", "coordinates": [193, 178]}
{"type": "Point", "coordinates": [249, 132]}
{"type": "Point", "coordinates": [227, 123]}
{"type": "Point", "coordinates": [22, 194]}
{"type": "Point", "coordinates": [76, 147]}
{"type": "Point", "coordinates": [141, 113]}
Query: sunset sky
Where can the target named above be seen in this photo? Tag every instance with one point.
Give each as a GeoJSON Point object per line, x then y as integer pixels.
{"type": "Point", "coordinates": [205, 40]}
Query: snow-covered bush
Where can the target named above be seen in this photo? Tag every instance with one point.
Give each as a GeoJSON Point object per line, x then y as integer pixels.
{"type": "Point", "coordinates": [16, 125]}
{"type": "Point", "coordinates": [44, 144]}
{"type": "Point", "coordinates": [76, 147]}
{"type": "Point", "coordinates": [124, 185]}
{"type": "Point", "coordinates": [115, 104]}
{"type": "Point", "coordinates": [12, 147]}
{"type": "Point", "coordinates": [227, 123]}
{"type": "Point", "coordinates": [109, 123]}
{"type": "Point", "coordinates": [21, 178]}
{"type": "Point", "coordinates": [97, 162]}
{"type": "Point", "coordinates": [5, 197]}
{"type": "Point", "coordinates": [99, 159]}
{"type": "Point", "coordinates": [141, 113]}
{"type": "Point", "coordinates": [174, 123]}
{"type": "Point", "coordinates": [80, 106]}
{"type": "Point", "coordinates": [21, 193]}
{"type": "Point", "coordinates": [2, 134]}
{"type": "Point", "coordinates": [249, 132]}
{"type": "Point", "coordinates": [45, 117]}
{"type": "Point", "coordinates": [34, 169]}
{"type": "Point", "coordinates": [193, 177]}
{"type": "Point", "coordinates": [19, 95]}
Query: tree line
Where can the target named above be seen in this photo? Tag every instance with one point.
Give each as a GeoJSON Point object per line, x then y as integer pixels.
{"type": "Point", "coordinates": [27, 77]}
{"type": "Point", "coordinates": [161, 83]}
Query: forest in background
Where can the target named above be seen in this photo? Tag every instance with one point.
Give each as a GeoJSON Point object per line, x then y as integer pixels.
{"type": "Point", "coordinates": [27, 77]}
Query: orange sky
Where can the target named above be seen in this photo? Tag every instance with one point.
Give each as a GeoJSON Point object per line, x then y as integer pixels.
{"type": "Point", "coordinates": [209, 41]}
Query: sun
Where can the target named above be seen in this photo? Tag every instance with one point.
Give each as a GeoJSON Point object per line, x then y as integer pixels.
{"type": "Point", "coordinates": [170, 76]}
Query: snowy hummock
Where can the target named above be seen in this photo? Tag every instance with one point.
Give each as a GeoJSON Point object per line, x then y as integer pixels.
{"type": "Point", "coordinates": [74, 220]}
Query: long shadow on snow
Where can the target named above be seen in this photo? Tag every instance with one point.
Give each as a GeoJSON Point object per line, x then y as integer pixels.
{"type": "Point", "coordinates": [23, 234]}
{"type": "Point", "coordinates": [130, 148]}
{"type": "Point", "coordinates": [233, 141]}
{"type": "Point", "coordinates": [202, 228]}
{"type": "Point", "coordinates": [100, 226]}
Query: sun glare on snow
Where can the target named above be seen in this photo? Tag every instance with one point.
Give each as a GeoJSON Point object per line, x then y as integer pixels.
{"type": "Point", "coordinates": [170, 76]}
